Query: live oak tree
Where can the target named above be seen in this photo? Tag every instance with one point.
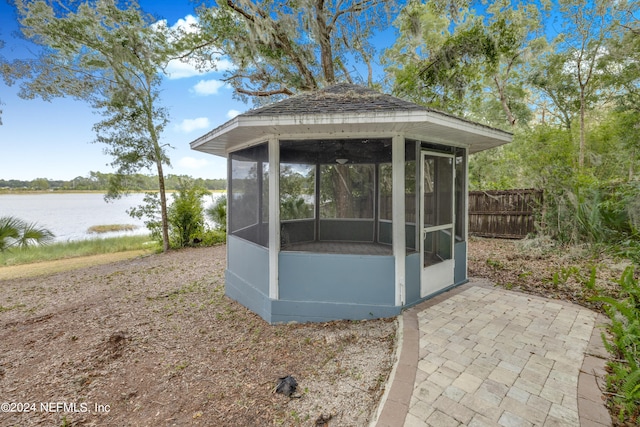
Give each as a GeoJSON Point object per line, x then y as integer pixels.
{"type": "Point", "coordinates": [451, 58]}
{"type": "Point", "coordinates": [110, 55]}
{"type": "Point", "coordinates": [280, 48]}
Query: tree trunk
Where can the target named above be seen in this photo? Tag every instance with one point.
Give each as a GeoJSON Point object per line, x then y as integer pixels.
{"type": "Point", "coordinates": [582, 147]}
{"type": "Point", "coordinates": [342, 191]}
{"type": "Point", "coordinates": [324, 39]}
{"type": "Point", "coordinates": [158, 155]}
{"type": "Point", "coordinates": [503, 101]}
{"type": "Point", "coordinates": [633, 158]}
{"type": "Point", "coordinates": [163, 207]}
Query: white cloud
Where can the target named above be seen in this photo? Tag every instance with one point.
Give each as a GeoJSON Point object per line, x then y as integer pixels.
{"type": "Point", "coordinates": [232, 113]}
{"type": "Point", "coordinates": [208, 87]}
{"type": "Point", "coordinates": [188, 24]}
{"type": "Point", "coordinates": [189, 125]}
{"type": "Point", "coordinates": [192, 163]}
{"type": "Point", "coordinates": [223, 64]}
{"type": "Point", "coordinates": [177, 69]}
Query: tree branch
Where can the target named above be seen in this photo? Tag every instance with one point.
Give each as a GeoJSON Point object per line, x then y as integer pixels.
{"type": "Point", "coordinates": [356, 7]}
{"type": "Point", "coordinates": [283, 91]}
{"type": "Point", "coordinates": [240, 10]}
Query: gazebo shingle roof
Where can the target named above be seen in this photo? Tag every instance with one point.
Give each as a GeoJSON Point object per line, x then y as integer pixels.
{"type": "Point", "coordinates": [338, 98]}
{"type": "Point", "coordinates": [347, 109]}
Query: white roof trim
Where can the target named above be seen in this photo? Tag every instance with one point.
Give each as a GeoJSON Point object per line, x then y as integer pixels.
{"type": "Point", "coordinates": [431, 125]}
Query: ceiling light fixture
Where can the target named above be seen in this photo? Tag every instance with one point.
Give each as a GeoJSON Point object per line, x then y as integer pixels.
{"type": "Point", "coordinates": [341, 155]}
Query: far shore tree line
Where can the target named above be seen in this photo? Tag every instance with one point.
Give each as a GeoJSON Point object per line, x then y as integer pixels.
{"type": "Point", "coordinates": [97, 181]}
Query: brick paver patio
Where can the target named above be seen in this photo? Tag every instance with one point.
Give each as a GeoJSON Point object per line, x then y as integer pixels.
{"type": "Point", "coordinates": [484, 356]}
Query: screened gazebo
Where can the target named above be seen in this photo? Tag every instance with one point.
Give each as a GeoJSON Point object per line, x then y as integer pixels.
{"type": "Point", "coordinates": [345, 203]}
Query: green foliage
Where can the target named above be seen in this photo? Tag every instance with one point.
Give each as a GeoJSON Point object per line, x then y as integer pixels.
{"type": "Point", "coordinates": [149, 212]}
{"type": "Point", "coordinates": [496, 169]}
{"type": "Point", "coordinates": [596, 204]}
{"type": "Point", "coordinates": [474, 65]}
{"type": "Point", "coordinates": [213, 237]}
{"type": "Point", "coordinates": [587, 211]}
{"type": "Point", "coordinates": [218, 213]}
{"type": "Point", "coordinates": [573, 215]}
{"type": "Point", "coordinates": [624, 343]}
{"type": "Point", "coordinates": [16, 233]}
{"type": "Point", "coordinates": [40, 184]}
{"type": "Point", "coordinates": [561, 277]}
{"type": "Point", "coordinates": [295, 208]}
{"type": "Point", "coordinates": [346, 191]}
{"type": "Point", "coordinates": [495, 264]}
{"type": "Point", "coordinates": [186, 215]}
{"type": "Point", "coordinates": [297, 187]}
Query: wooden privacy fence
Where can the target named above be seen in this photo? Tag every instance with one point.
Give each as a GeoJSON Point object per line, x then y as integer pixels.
{"type": "Point", "coordinates": [507, 214]}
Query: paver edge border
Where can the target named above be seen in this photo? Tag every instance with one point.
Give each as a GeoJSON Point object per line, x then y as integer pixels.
{"type": "Point", "coordinates": [394, 405]}
{"type": "Point", "coordinates": [392, 374]}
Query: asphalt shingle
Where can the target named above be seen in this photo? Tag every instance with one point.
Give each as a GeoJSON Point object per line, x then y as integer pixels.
{"type": "Point", "coordinates": [339, 98]}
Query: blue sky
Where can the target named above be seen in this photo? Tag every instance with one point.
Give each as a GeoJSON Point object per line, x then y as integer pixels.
{"type": "Point", "coordinates": [52, 139]}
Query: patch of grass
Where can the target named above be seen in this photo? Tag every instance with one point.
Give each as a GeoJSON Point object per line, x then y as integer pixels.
{"type": "Point", "coordinates": [98, 229]}
{"type": "Point", "coordinates": [524, 275]}
{"type": "Point", "coordinates": [63, 250]}
{"type": "Point", "coordinates": [13, 307]}
{"type": "Point", "coordinates": [495, 264]}
{"type": "Point", "coordinates": [181, 366]}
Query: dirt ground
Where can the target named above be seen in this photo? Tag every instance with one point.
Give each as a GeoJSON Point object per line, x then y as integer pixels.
{"type": "Point", "coordinates": [536, 266]}
{"type": "Point", "coordinates": [153, 341]}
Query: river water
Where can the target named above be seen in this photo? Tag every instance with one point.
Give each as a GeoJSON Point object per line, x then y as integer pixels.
{"type": "Point", "coordinates": [69, 215]}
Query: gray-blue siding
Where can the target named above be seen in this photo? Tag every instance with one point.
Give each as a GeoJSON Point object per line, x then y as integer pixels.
{"type": "Point", "coordinates": [356, 279]}
{"type": "Point", "coordinates": [322, 287]}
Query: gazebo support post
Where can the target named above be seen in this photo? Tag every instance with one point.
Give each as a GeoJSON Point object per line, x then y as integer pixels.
{"type": "Point", "coordinates": [398, 212]}
{"type": "Point", "coordinates": [274, 216]}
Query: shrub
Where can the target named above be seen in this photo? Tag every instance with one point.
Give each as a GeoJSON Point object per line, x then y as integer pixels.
{"type": "Point", "coordinates": [186, 214]}
{"type": "Point", "coordinates": [213, 237]}
{"type": "Point", "coordinates": [624, 344]}
{"type": "Point", "coordinates": [149, 211]}
{"type": "Point", "coordinates": [218, 213]}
